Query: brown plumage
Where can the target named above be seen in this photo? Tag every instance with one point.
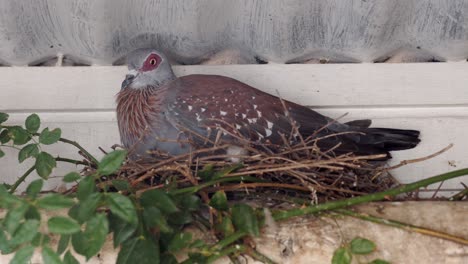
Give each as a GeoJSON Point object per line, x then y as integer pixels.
{"type": "Point", "coordinates": [156, 110]}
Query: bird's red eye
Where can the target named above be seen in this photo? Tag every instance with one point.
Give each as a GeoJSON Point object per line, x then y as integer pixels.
{"type": "Point", "coordinates": [151, 62]}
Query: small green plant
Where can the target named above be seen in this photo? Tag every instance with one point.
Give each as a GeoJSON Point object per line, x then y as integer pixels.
{"type": "Point", "coordinates": [357, 246]}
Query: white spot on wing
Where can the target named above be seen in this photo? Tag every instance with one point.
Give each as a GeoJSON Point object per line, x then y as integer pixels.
{"type": "Point", "coordinates": [268, 132]}
{"type": "Point", "coordinates": [238, 126]}
{"type": "Point", "coordinates": [269, 124]}
{"type": "Point", "coordinates": [203, 109]}
{"type": "Point", "coordinates": [244, 115]}
{"type": "Point", "coordinates": [255, 106]}
{"type": "Point", "coordinates": [252, 120]}
{"type": "Point", "coordinates": [198, 117]}
{"type": "Point", "coordinates": [222, 113]}
{"type": "Point", "coordinates": [259, 113]}
{"type": "Point", "coordinates": [225, 99]}
{"type": "Point", "coordinates": [190, 108]}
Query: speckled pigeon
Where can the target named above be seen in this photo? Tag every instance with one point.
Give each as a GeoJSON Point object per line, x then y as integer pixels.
{"type": "Point", "coordinates": [158, 111]}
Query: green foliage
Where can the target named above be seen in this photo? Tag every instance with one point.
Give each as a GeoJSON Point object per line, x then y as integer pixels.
{"type": "Point", "coordinates": [147, 227]}
{"type": "Point", "coordinates": [358, 246]}
{"type": "Point", "coordinates": [362, 246]}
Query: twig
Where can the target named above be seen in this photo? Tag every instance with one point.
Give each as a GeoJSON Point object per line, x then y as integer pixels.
{"type": "Point", "coordinates": [281, 215]}
{"type": "Point", "coordinates": [21, 179]}
{"type": "Point", "coordinates": [406, 162]}
{"type": "Point", "coordinates": [405, 226]}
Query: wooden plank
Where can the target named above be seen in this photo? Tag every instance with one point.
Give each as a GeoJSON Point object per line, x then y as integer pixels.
{"type": "Point", "coordinates": [333, 85]}
{"type": "Point", "coordinates": [80, 100]}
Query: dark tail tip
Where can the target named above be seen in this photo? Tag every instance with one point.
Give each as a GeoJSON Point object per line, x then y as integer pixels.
{"type": "Point", "coordinates": [394, 139]}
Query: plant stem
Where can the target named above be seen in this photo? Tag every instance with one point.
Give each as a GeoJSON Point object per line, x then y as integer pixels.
{"type": "Point", "coordinates": [285, 214]}
{"type": "Point", "coordinates": [259, 256]}
{"type": "Point", "coordinates": [78, 146]}
{"type": "Point", "coordinates": [194, 189]}
{"type": "Point", "coordinates": [228, 240]}
{"type": "Point", "coordinates": [405, 226]}
{"type": "Point", "coordinates": [21, 179]}
{"type": "Point", "coordinates": [460, 195]}
{"type": "Point", "coordinates": [225, 252]}
{"type": "Point", "coordinates": [76, 162]}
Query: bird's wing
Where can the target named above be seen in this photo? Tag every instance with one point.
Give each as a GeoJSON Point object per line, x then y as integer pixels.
{"type": "Point", "coordinates": [200, 103]}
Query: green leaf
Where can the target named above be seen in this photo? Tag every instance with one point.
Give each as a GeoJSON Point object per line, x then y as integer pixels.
{"type": "Point", "coordinates": [121, 185]}
{"type": "Point", "coordinates": [168, 258]}
{"type": "Point", "coordinates": [121, 230]}
{"type": "Point", "coordinates": [33, 122]}
{"type": "Point", "coordinates": [70, 259]}
{"type": "Point", "coordinates": [379, 261]}
{"type": "Point", "coordinates": [159, 199]}
{"type": "Point", "coordinates": [111, 162]}
{"type": "Point", "coordinates": [44, 164]}
{"type": "Point", "coordinates": [23, 256]}
{"type": "Point", "coordinates": [14, 216]}
{"type": "Point", "coordinates": [180, 241]}
{"type": "Point", "coordinates": [225, 171]}
{"type": "Point", "coordinates": [55, 201]}
{"type": "Point", "coordinates": [4, 136]}
{"type": "Point", "coordinates": [19, 135]}
{"type": "Point", "coordinates": [25, 232]}
{"type": "Point", "coordinates": [219, 201]}
{"type": "Point", "coordinates": [180, 218]}
{"type": "Point", "coordinates": [63, 243]}
{"type": "Point", "coordinates": [153, 217]}
{"type": "Point", "coordinates": [50, 257]}
{"type": "Point", "coordinates": [71, 177]}
{"type": "Point", "coordinates": [2, 154]}
{"type": "Point", "coordinates": [33, 213]}
{"type": "Point", "coordinates": [34, 188]}
{"type": "Point", "coordinates": [244, 219]}
{"type": "Point", "coordinates": [362, 246]}
{"type": "Point", "coordinates": [190, 202]}
{"type": "Point", "coordinates": [63, 225]}
{"type": "Point", "coordinates": [207, 173]}
{"type": "Point", "coordinates": [341, 256]}
{"type": "Point", "coordinates": [50, 137]}
{"type": "Point", "coordinates": [86, 187]}
{"type": "Point", "coordinates": [142, 251]}
{"type": "Point", "coordinates": [3, 117]}
{"type": "Point", "coordinates": [90, 242]}
{"type": "Point", "coordinates": [7, 200]}
{"type": "Point", "coordinates": [122, 206]}
{"type": "Point", "coordinates": [226, 227]}
{"type": "Point", "coordinates": [30, 150]}
{"type": "Point", "coordinates": [5, 246]}
{"type": "Point", "coordinates": [88, 207]}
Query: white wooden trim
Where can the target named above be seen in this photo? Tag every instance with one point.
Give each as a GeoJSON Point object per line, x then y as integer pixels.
{"type": "Point", "coordinates": [431, 97]}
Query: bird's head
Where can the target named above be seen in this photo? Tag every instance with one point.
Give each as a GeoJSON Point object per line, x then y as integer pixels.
{"type": "Point", "coordinates": [147, 68]}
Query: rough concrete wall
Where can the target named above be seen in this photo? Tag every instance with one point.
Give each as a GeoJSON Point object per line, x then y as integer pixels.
{"type": "Point", "coordinates": [102, 31]}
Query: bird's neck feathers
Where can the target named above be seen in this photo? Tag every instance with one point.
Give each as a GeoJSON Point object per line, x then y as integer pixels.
{"type": "Point", "coordinates": [136, 109]}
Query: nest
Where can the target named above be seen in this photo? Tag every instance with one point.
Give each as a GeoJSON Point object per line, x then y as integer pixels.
{"type": "Point", "coordinates": [297, 168]}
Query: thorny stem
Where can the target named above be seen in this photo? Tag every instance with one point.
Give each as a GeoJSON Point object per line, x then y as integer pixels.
{"type": "Point", "coordinates": [285, 214]}
{"type": "Point", "coordinates": [228, 240]}
{"type": "Point", "coordinates": [225, 252]}
{"type": "Point", "coordinates": [21, 179]}
{"type": "Point", "coordinates": [78, 146]}
{"type": "Point", "coordinates": [199, 187]}
{"type": "Point", "coordinates": [76, 162]}
{"type": "Point", "coordinates": [405, 226]}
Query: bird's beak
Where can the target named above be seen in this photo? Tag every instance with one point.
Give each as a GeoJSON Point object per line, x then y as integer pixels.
{"type": "Point", "coordinates": [129, 79]}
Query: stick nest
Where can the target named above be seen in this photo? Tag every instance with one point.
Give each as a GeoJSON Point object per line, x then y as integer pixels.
{"type": "Point", "coordinates": [298, 169]}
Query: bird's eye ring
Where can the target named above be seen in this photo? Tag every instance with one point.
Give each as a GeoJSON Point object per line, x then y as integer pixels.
{"type": "Point", "coordinates": [152, 61]}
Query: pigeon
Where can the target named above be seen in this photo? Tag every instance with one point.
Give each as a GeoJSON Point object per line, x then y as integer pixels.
{"type": "Point", "coordinates": [157, 111]}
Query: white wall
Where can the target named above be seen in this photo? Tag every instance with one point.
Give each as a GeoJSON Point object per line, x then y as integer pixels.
{"type": "Point", "coordinates": [430, 97]}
